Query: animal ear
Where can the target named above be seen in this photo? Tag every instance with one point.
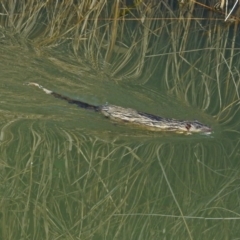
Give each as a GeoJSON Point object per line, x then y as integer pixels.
{"type": "Point", "coordinates": [188, 126]}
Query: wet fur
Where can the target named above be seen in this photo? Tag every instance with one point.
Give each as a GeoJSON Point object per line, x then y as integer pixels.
{"type": "Point", "coordinates": [149, 121]}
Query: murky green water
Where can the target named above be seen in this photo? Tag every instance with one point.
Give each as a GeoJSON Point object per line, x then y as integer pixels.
{"type": "Point", "coordinates": [68, 173]}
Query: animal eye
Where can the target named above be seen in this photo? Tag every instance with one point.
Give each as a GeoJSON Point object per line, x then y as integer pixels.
{"type": "Point", "coordinates": [188, 126]}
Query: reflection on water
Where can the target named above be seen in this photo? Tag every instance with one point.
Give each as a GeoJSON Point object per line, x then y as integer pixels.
{"type": "Point", "coordinates": [69, 172]}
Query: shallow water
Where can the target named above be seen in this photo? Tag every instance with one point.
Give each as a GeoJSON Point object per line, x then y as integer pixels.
{"type": "Point", "coordinates": [71, 172]}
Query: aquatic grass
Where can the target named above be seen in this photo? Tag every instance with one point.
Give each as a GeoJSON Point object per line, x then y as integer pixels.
{"type": "Point", "coordinates": [89, 27]}
{"type": "Point", "coordinates": [209, 83]}
{"type": "Point", "coordinates": [96, 31]}
{"type": "Point", "coordinates": [173, 195]}
{"type": "Point", "coordinates": [61, 183]}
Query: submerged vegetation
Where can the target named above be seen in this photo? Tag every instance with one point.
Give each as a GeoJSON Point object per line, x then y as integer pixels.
{"type": "Point", "coordinates": [58, 183]}
{"type": "Point", "coordinates": [62, 183]}
{"type": "Point", "coordinates": [192, 46]}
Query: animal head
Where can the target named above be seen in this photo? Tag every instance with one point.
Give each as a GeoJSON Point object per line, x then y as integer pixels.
{"type": "Point", "coordinates": [195, 127]}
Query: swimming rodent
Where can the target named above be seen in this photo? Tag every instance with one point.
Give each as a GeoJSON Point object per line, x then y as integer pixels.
{"type": "Point", "coordinates": [129, 115]}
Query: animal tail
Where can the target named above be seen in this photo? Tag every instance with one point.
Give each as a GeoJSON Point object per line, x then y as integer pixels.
{"type": "Point", "coordinates": [69, 100]}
